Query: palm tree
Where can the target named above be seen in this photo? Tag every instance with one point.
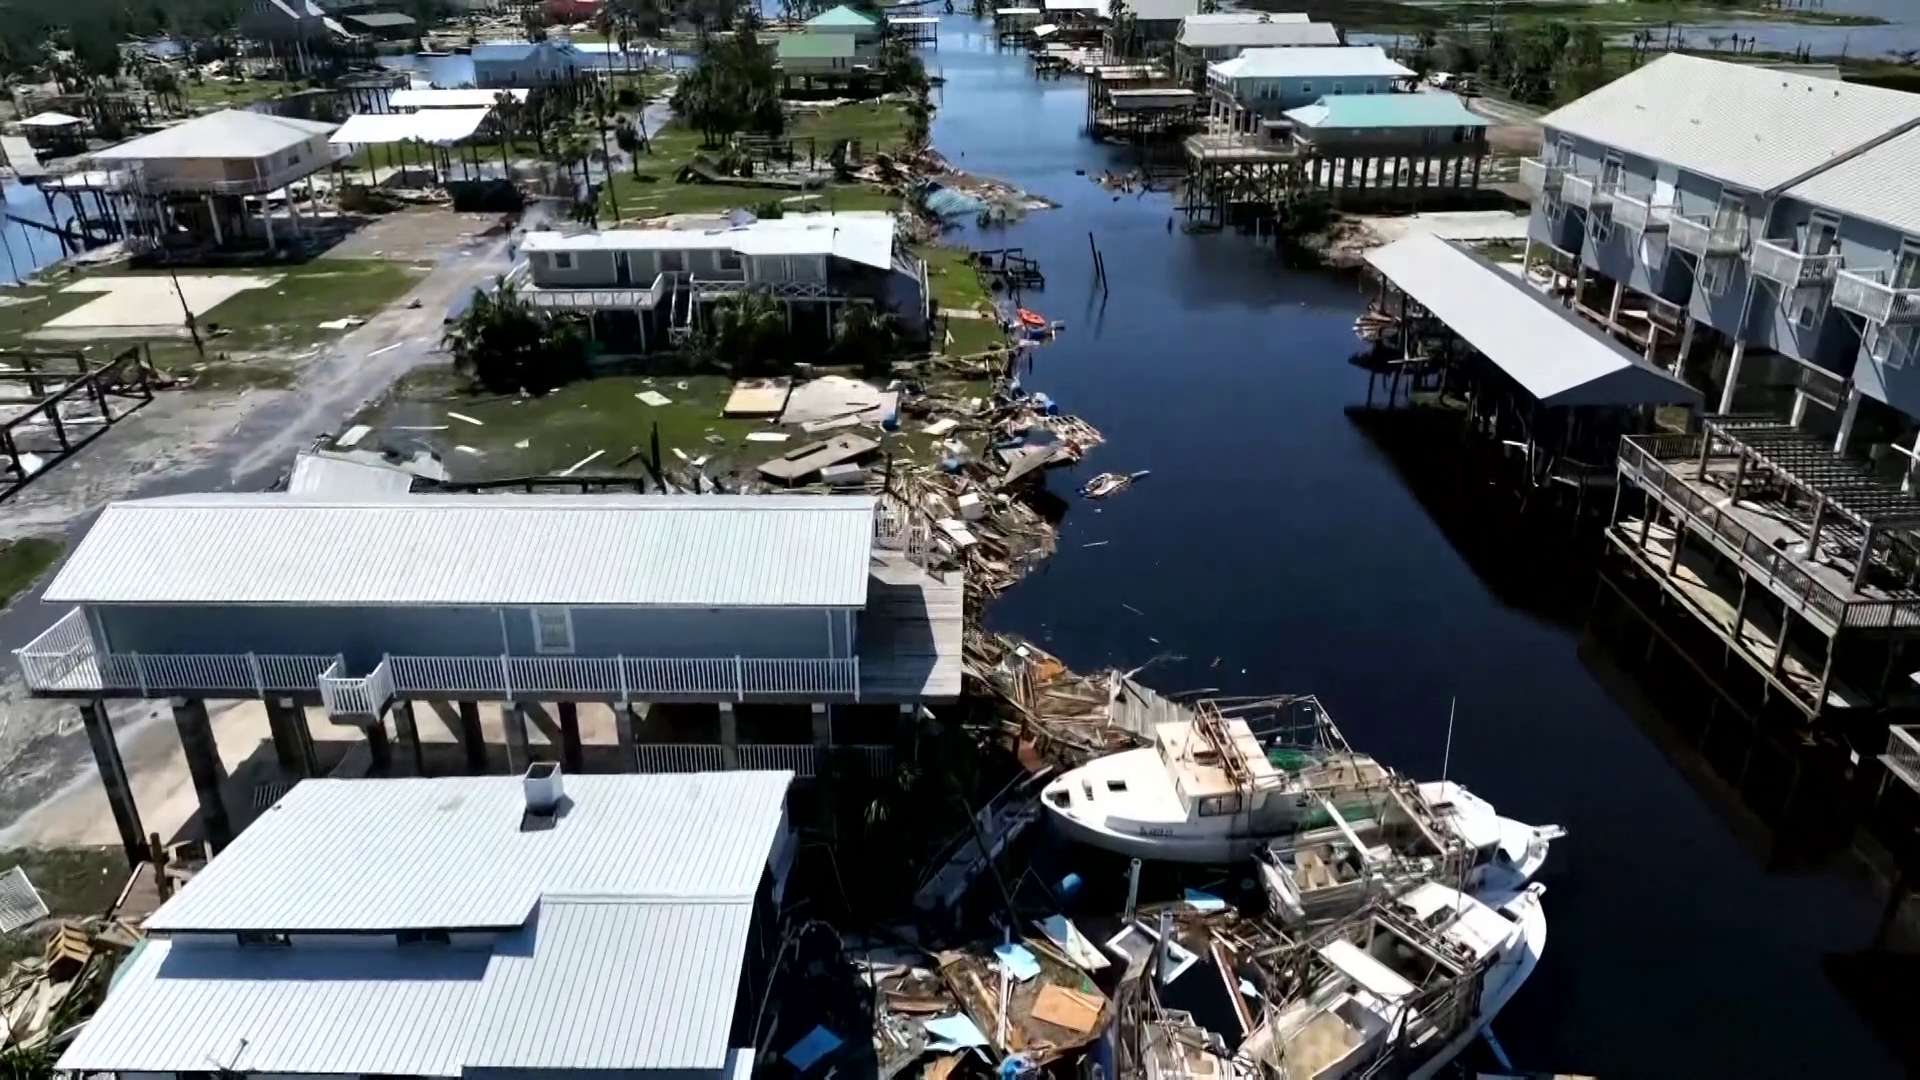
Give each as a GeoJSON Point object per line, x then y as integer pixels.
{"type": "Point", "coordinates": [747, 332]}
{"type": "Point", "coordinates": [504, 345]}
{"type": "Point", "coordinates": [866, 338]}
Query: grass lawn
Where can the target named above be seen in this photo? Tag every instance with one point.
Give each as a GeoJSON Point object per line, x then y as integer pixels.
{"type": "Point", "coordinates": [567, 425]}
{"type": "Point", "coordinates": [879, 125]}
{"type": "Point", "coordinates": [259, 329]}
{"type": "Point", "coordinates": [652, 190]}
{"type": "Point", "coordinates": [222, 95]}
{"type": "Point", "coordinates": [22, 562]}
{"type": "Point", "coordinates": [971, 336]}
{"type": "Point", "coordinates": [955, 283]}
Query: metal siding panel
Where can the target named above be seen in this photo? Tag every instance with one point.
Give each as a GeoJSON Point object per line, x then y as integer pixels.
{"type": "Point", "coordinates": [721, 551]}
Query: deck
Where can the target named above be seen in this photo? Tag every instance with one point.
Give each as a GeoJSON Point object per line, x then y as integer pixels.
{"type": "Point", "coordinates": [910, 634]}
{"type": "Point", "coordinates": [1766, 535]}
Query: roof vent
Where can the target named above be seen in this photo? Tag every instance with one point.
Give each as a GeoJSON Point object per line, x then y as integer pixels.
{"type": "Point", "coordinates": [546, 796]}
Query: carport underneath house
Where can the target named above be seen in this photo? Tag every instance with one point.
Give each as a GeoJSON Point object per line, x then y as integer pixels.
{"type": "Point", "coordinates": [1533, 372]}
{"type": "Point", "coordinates": [789, 606]}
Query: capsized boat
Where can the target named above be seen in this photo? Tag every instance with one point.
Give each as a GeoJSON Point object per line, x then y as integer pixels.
{"type": "Point", "coordinates": [1400, 989]}
{"type": "Point", "coordinates": [1416, 833]}
{"type": "Point", "coordinates": [1208, 791]}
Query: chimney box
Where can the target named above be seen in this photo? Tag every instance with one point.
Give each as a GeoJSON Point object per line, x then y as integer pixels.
{"type": "Point", "coordinates": [544, 787]}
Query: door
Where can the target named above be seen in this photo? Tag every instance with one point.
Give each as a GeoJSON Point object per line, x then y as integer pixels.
{"type": "Point", "coordinates": [622, 268]}
{"type": "Point", "coordinates": [1823, 236]}
{"type": "Point", "coordinates": [1727, 215]}
{"type": "Point", "coordinates": [1906, 272]}
{"type": "Point", "coordinates": [1610, 173]}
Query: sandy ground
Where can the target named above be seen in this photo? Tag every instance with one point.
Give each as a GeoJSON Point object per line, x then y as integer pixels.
{"type": "Point", "coordinates": [78, 813]}
{"type": "Point", "coordinates": [1459, 225]}
{"type": "Point", "coordinates": [412, 235]}
{"type": "Point", "coordinates": [152, 301]}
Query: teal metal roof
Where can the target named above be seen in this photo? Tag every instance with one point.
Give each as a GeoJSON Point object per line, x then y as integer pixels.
{"type": "Point", "coordinates": [1386, 111]}
{"type": "Point", "coordinates": [813, 46]}
{"type": "Point", "coordinates": [843, 17]}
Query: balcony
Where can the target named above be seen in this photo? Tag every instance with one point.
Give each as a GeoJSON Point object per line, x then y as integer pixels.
{"type": "Point", "coordinates": [64, 660]}
{"type": "Point", "coordinates": [1639, 215]}
{"type": "Point", "coordinates": [1902, 758]}
{"type": "Point", "coordinates": [1778, 262]}
{"type": "Point", "coordinates": [1540, 177]}
{"type": "Point", "coordinates": [1691, 476]}
{"type": "Point", "coordinates": [1705, 238]}
{"type": "Point", "coordinates": [1585, 192]}
{"type": "Point", "coordinates": [599, 298]}
{"type": "Point", "coordinates": [802, 759]}
{"type": "Point", "coordinates": [1871, 295]}
{"type": "Point", "coordinates": [250, 185]}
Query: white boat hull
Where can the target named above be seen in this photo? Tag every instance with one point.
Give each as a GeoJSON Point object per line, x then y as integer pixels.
{"type": "Point", "coordinates": [1183, 849]}
{"type": "Point", "coordinates": [1504, 980]}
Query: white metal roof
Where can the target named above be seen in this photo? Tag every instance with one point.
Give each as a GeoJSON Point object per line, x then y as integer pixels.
{"type": "Point", "coordinates": [1549, 351]}
{"type": "Point", "coordinates": [586, 984]}
{"type": "Point", "coordinates": [1312, 62]}
{"type": "Point", "coordinates": [441, 126]}
{"type": "Point", "coordinates": [619, 933]}
{"type": "Point", "coordinates": [322, 474]}
{"type": "Point", "coordinates": [1098, 6]}
{"type": "Point", "coordinates": [1162, 10]}
{"type": "Point", "coordinates": [448, 852]}
{"type": "Point", "coordinates": [1877, 185]}
{"type": "Point", "coordinates": [487, 550]}
{"type": "Point", "coordinates": [1203, 35]}
{"type": "Point", "coordinates": [450, 99]}
{"type": "Point", "coordinates": [229, 133]}
{"type": "Point", "coordinates": [1747, 126]}
{"type": "Point", "coordinates": [51, 119]}
{"type": "Point", "coordinates": [864, 237]}
{"type": "Point", "coordinates": [1220, 18]}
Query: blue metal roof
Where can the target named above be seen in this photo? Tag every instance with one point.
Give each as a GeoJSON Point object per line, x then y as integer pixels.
{"type": "Point", "coordinates": [1386, 111]}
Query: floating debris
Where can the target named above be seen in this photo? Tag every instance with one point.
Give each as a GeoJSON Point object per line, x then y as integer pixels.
{"type": "Point", "coordinates": [1108, 483]}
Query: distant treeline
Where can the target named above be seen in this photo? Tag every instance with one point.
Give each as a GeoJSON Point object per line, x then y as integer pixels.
{"type": "Point", "coordinates": [94, 29]}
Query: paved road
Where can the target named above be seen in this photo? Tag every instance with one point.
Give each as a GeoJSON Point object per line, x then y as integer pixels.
{"type": "Point", "coordinates": [1502, 111]}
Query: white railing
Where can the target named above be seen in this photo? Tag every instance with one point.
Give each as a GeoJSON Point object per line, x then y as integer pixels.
{"type": "Point", "coordinates": [1778, 262]}
{"type": "Point", "coordinates": [1640, 215]}
{"type": "Point", "coordinates": [598, 297]}
{"type": "Point", "coordinates": [1538, 176]}
{"type": "Point", "coordinates": [708, 288]}
{"type": "Point", "coordinates": [1903, 754]}
{"type": "Point", "coordinates": [1702, 237]}
{"type": "Point", "coordinates": [64, 659]}
{"type": "Point", "coordinates": [617, 677]}
{"type": "Point", "coordinates": [363, 696]}
{"type": "Point", "coordinates": [681, 757]}
{"type": "Point", "coordinates": [1584, 192]}
{"type": "Point", "coordinates": [802, 759]}
{"type": "Point", "coordinates": [1871, 295]}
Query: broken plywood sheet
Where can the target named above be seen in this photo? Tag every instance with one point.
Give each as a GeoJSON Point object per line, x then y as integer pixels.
{"type": "Point", "coordinates": [758, 398]}
{"type": "Point", "coordinates": [836, 397]}
{"type": "Point", "coordinates": [1069, 1009]}
{"type": "Point", "coordinates": [801, 462]}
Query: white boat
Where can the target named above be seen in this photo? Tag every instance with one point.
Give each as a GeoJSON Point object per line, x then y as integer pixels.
{"type": "Point", "coordinates": [1402, 989]}
{"type": "Point", "coordinates": [1429, 832]}
{"type": "Point", "coordinates": [1207, 791]}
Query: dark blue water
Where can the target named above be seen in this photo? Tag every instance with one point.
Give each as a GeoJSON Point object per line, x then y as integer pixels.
{"type": "Point", "coordinates": [23, 249]}
{"type": "Point", "coordinates": [1278, 548]}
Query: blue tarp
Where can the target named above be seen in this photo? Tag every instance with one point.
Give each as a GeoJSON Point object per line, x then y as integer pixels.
{"type": "Point", "coordinates": [817, 1044]}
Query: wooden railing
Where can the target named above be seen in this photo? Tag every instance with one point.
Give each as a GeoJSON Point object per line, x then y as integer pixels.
{"type": "Point", "coordinates": [802, 759]}
{"type": "Point", "coordinates": [1641, 460]}
{"type": "Point", "coordinates": [1903, 754]}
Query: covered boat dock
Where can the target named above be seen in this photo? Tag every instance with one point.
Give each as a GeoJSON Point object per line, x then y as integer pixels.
{"type": "Point", "coordinates": [1532, 375]}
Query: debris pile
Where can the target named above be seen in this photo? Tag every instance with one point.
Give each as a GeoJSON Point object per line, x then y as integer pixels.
{"type": "Point", "coordinates": [45, 998]}
{"type": "Point", "coordinates": [1057, 715]}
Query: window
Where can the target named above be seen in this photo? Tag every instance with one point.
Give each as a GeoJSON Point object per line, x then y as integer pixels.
{"type": "Point", "coordinates": [673, 262]}
{"type": "Point", "coordinates": [729, 260]}
{"type": "Point", "coordinates": [260, 939]}
{"type": "Point", "coordinates": [1306, 88]}
{"type": "Point", "coordinates": [552, 630]}
{"type": "Point", "coordinates": [1807, 317]}
{"type": "Point", "coordinates": [1610, 170]}
{"type": "Point", "coordinates": [1822, 235]}
{"type": "Point", "coordinates": [424, 937]}
{"type": "Point", "coordinates": [1369, 88]}
{"type": "Point", "coordinates": [563, 260]}
{"type": "Point", "coordinates": [1219, 805]}
{"type": "Point", "coordinates": [1336, 88]}
{"type": "Point", "coordinates": [1116, 785]}
{"type": "Point", "coordinates": [1906, 272]}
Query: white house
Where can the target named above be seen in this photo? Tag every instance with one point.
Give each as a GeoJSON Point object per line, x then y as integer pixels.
{"type": "Point", "coordinates": [524, 63]}
{"type": "Point", "coordinates": [1261, 84]}
{"type": "Point", "coordinates": [462, 927]}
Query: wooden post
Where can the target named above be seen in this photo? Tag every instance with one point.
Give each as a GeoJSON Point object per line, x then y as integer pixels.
{"type": "Point", "coordinates": [113, 777]}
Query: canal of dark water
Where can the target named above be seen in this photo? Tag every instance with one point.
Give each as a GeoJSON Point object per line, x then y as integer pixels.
{"type": "Point", "coordinates": [1284, 544]}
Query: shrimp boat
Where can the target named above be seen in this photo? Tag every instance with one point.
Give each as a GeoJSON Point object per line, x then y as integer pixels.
{"type": "Point", "coordinates": [1414, 833]}
{"type": "Point", "coordinates": [1208, 791]}
{"type": "Point", "coordinates": [1399, 989]}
